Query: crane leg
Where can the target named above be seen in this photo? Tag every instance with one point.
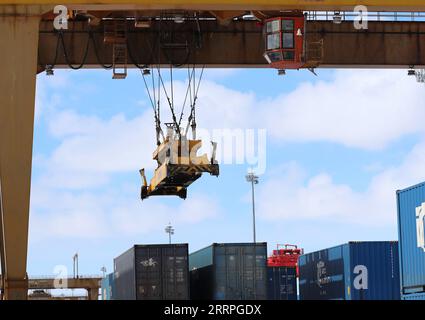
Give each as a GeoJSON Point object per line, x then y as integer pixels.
{"type": "Point", "coordinates": [18, 65]}
{"type": "Point", "coordinates": [93, 294]}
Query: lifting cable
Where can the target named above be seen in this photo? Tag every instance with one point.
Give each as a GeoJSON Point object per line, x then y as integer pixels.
{"type": "Point", "coordinates": [155, 110]}
{"type": "Point", "coordinates": [192, 116]}
{"type": "Point", "coordinates": [192, 92]}
{"type": "Point", "coordinates": [154, 93]}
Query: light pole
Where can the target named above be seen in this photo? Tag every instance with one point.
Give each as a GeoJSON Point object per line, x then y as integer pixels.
{"type": "Point", "coordinates": [251, 177]}
{"type": "Point", "coordinates": [103, 269]}
{"type": "Point", "coordinates": [75, 267]}
{"type": "Point", "coordinates": [170, 230]}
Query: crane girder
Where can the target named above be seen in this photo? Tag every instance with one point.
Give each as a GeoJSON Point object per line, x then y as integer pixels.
{"type": "Point", "coordinates": [390, 44]}
{"type": "Point", "coordinates": [373, 5]}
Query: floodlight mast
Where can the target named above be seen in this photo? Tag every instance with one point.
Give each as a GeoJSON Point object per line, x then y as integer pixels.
{"type": "Point", "coordinates": [253, 179]}
{"type": "Point", "coordinates": [170, 230]}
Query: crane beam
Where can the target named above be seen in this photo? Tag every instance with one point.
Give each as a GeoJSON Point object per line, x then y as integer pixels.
{"type": "Point", "coordinates": [386, 44]}
{"type": "Point", "coordinates": [373, 5]}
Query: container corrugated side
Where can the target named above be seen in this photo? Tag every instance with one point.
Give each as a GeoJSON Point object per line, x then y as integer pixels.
{"type": "Point", "coordinates": [162, 272]}
{"type": "Point", "coordinates": [125, 276]}
{"type": "Point", "coordinates": [158, 272]}
{"type": "Point", "coordinates": [282, 283]}
{"type": "Point", "coordinates": [322, 275]}
{"type": "Point", "coordinates": [353, 271]}
{"type": "Point", "coordinates": [414, 296]}
{"type": "Point", "coordinates": [375, 267]}
{"type": "Point", "coordinates": [237, 271]}
{"type": "Point", "coordinates": [412, 250]}
{"type": "Point", "coordinates": [240, 271]}
{"type": "Point", "coordinates": [201, 258]}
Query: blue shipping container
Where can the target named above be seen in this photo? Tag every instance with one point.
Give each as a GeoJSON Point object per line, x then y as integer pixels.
{"type": "Point", "coordinates": [352, 271]}
{"type": "Point", "coordinates": [108, 287]}
{"type": "Point", "coordinates": [282, 283]}
{"type": "Point", "coordinates": [411, 215]}
{"type": "Point", "coordinates": [413, 296]}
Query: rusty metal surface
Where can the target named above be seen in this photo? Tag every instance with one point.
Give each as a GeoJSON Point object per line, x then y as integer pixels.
{"type": "Point", "coordinates": [18, 62]}
{"type": "Point", "coordinates": [240, 44]}
{"type": "Point", "coordinates": [384, 44]}
{"type": "Point", "coordinates": [237, 44]}
{"type": "Point", "coordinates": [71, 283]}
{"type": "Point", "coordinates": [388, 5]}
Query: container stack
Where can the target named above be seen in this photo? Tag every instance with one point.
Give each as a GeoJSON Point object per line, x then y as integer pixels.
{"type": "Point", "coordinates": [282, 272]}
{"type": "Point", "coordinates": [352, 271]}
{"type": "Point", "coordinates": [152, 272]}
{"type": "Point", "coordinates": [411, 222]}
{"type": "Point", "coordinates": [282, 283]}
{"type": "Point", "coordinates": [229, 271]}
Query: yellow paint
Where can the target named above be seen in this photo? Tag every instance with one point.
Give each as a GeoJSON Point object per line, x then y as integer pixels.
{"type": "Point", "coordinates": [226, 4]}
{"type": "Point", "coordinates": [18, 65]}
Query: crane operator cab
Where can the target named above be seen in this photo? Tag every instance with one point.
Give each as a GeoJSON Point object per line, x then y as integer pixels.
{"type": "Point", "coordinates": [178, 166]}
{"type": "Point", "coordinates": [285, 42]}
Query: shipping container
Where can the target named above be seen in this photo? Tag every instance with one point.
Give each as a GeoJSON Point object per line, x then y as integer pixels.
{"type": "Point", "coordinates": [414, 296]}
{"type": "Point", "coordinates": [108, 287]}
{"type": "Point", "coordinates": [152, 272]}
{"type": "Point", "coordinates": [229, 271]}
{"type": "Point", "coordinates": [282, 283]}
{"type": "Point", "coordinates": [411, 215]}
{"type": "Point", "coordinates": [352, 271]}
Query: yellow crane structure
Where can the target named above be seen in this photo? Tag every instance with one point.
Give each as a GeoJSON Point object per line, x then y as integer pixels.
{"type": "Point", "coordinates": [231, 35]}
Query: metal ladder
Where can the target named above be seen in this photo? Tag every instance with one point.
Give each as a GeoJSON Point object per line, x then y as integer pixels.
{"type": "Point", "coordinates": [115, 33]}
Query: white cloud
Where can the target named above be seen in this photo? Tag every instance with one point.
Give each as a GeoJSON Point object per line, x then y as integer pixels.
{"type": "Point", "coordinates": [47, 101]}
{"type": "Point", "coordinates": [92, 215]}
{"type": "Point", "coordinates": [114, 145]}
{"type": "Point", "coordinates": [91, 149]}
{"type": "Point", "coordinates": [292, 195]}
{"type": "Point", "coordinates": [365, 109]}
{"type": "Point", "coordinates": [220, 73]}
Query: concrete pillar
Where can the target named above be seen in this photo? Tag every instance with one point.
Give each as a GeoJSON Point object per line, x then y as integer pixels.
{"type": "Point", "coordinates": [93, 293]}
{"type": "Point", "coordinates": [18, 67]}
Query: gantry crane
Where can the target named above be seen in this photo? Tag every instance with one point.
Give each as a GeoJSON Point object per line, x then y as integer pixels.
{"type": "Point", "coordinates": [233, 34]}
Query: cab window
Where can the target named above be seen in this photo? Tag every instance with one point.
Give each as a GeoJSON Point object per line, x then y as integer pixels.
{"type": "Point", "coordinates": [273, 41]}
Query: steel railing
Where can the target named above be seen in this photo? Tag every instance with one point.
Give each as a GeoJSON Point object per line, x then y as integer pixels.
{"type": "Point", "coordinates": [371, 16]}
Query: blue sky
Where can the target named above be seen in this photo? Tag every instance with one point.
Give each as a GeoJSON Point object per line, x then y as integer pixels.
{"type": "Point", "coordinates": [338, 147]}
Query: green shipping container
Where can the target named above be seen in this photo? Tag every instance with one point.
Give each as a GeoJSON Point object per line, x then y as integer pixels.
{"type": "Point", "coordinates": [229, 271]}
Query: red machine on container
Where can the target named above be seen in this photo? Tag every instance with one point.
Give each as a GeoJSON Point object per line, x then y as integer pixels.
{"type": "Point", "coordinates": [285, 256]}
{"type": "Point", "coordinates": [285, 42]}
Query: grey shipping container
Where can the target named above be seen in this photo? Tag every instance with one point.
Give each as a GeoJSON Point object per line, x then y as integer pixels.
{"type": "Point", "coordinates": [352, 271]}
{"type": "Point", "coordinates": [411, 215]}
{"type": "Point", "coordinates": [152, 272]}
{"type": "Point", "coordinates": [229, 271]}
{"type": "Point", "coordinates": [282, 283]}
{"type": "Point", "coordinates": [108, 287]}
